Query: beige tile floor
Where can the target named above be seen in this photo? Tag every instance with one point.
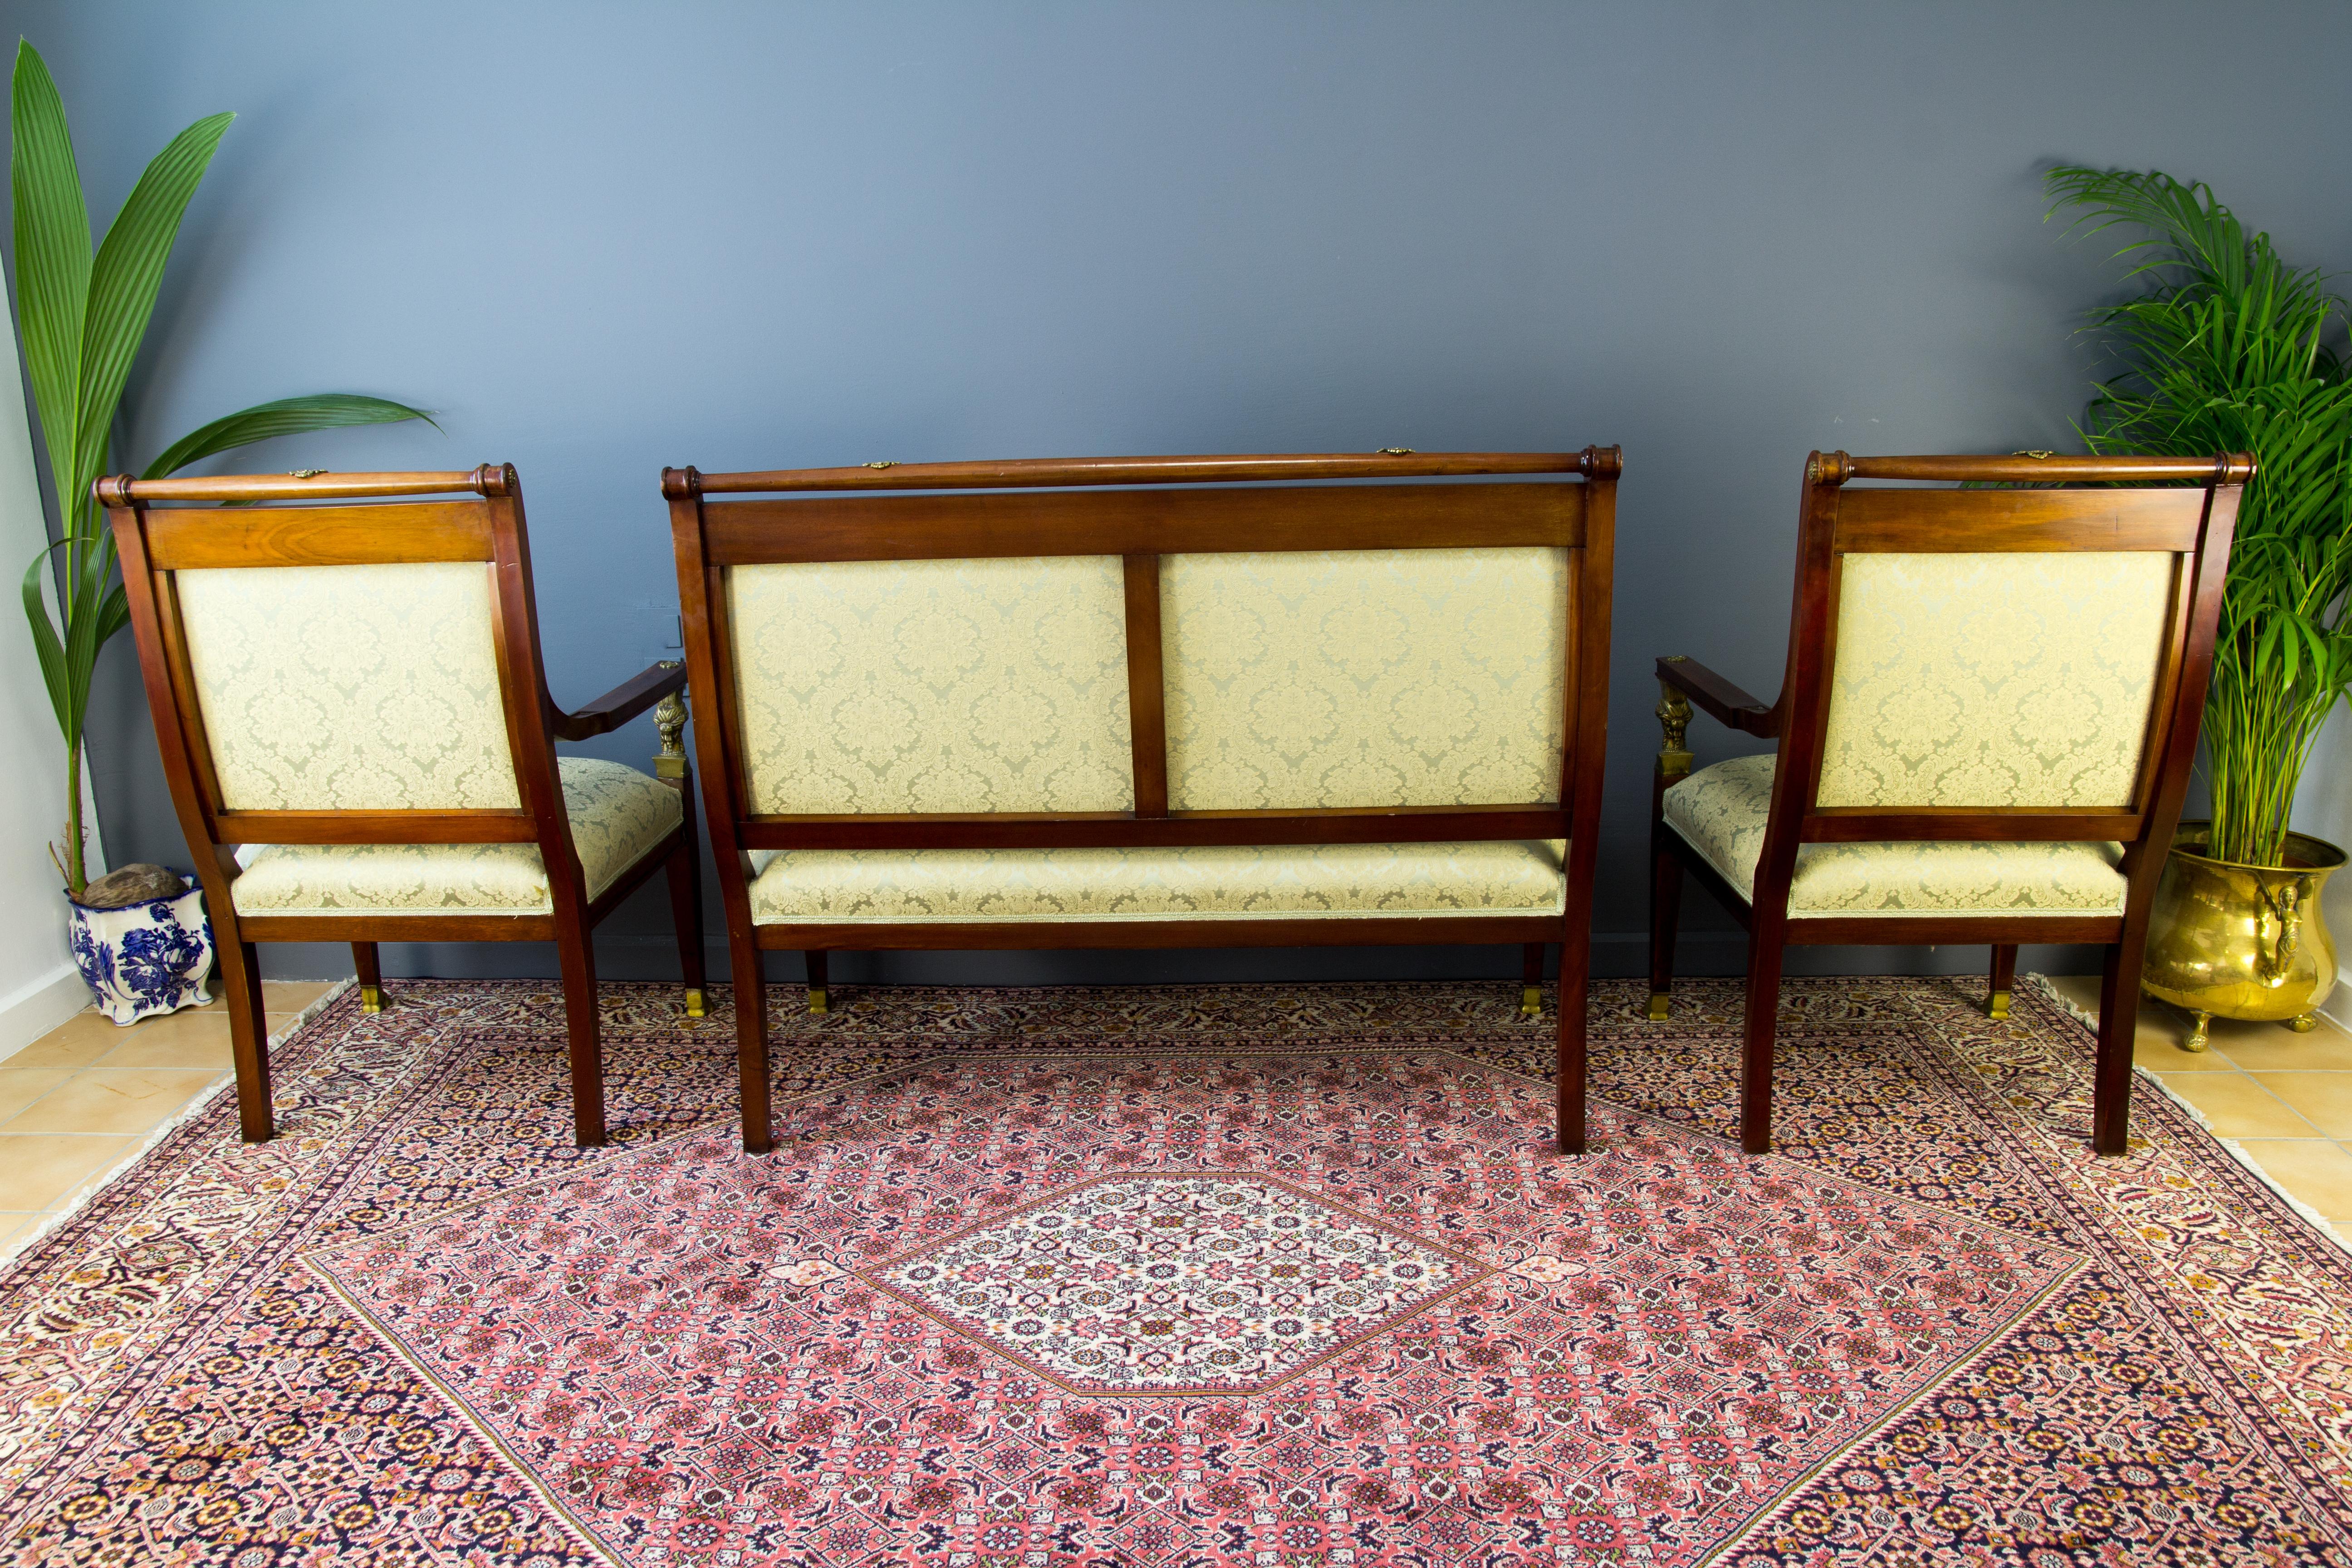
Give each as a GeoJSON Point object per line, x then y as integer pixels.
{"type": "Point", "coordinates": [2284, 1097]}
{"type": "Point", "coordinates": [77, 1100]}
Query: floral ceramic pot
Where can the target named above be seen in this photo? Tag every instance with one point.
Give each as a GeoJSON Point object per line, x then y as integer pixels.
{"type": "Point", "coordinates": [144, 959]}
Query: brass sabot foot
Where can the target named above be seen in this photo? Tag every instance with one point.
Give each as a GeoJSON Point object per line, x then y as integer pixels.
{"type": "Point", "coordinates": [1997, 1006]}
{"type": "Point", "coordinates": [1531, 1002]}
{"type": "Point", "coordinates": [371, 998]}
{"type": "Point", "coordinates": [816, 999]}
{"type": "Point", "coordinates": [696, 1007]}
{"type": "Point", "coordinates": [2196, 1040]}
{"type": "Point", "coordinates": [1657, 1007]}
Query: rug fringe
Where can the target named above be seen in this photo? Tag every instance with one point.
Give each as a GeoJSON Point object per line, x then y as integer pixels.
{"type": "Point", "coordinates": [2318, 1221]}
{"type": "Point", "coordinates": [22, 1243]}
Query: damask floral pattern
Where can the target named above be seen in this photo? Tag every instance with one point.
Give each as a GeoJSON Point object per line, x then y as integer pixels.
{"type": "Point", "coordinates": [992, 685]}
{"type": "Point", "coordinates": [349, 688]}
{"type": "Point", "coordinates": [1722, 811]}
{"type": "Point", "coordinates": [1364, 677]}
{"type": "Point", "coordinates": [1203, 882]}
{"type": "Point", "coordinates": [1994, 679]}
{"type": "Point", "coordinates": [178, 1389]}
{"type": "Point", "coordinates": [616, 814]}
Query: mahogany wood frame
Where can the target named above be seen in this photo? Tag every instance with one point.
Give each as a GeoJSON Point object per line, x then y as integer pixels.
{"type": "Point", "coordinates": [2186, 507]}
{"type": "Point", "coordinates": [1203, 504]}
{"type": "Point", "coordinates": [324, 528]}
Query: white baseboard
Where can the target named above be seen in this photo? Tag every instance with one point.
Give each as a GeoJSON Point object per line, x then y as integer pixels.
{"type": "Point", "coordinates": [2337, 1009]}
{"type": "Point", "coordinates": [31, 1011]}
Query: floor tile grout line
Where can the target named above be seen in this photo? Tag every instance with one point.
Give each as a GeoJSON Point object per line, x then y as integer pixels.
{"type": "Point", "coordinates": [8, 1128]}
{"type": "Point", "coordinates": [70, 1203]}
{"type": "Point", "coordinates": [272, 1022]}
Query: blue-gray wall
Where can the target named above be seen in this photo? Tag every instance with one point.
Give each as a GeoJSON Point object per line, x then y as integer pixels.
{"type": "Point", "coordinates": [599, 238]}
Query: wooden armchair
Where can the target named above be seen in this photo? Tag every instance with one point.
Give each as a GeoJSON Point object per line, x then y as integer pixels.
{"type": "Point", "coordinates": [357, 732]}
{"type": "Point", "coordinates": [1985, 729]}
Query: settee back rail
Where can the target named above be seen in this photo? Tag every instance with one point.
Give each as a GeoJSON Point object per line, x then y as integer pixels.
{"type": "Point", "coordinates": [1391, 463]}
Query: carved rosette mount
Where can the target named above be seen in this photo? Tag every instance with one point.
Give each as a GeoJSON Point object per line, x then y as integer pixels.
{"type": "Point", "coordinates": [1674, 711]}
{"type": "Point", "coordinates": [669, 721]}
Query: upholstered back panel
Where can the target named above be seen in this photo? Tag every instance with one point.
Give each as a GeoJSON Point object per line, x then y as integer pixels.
{"type": "Point", "coordinates": [893, 686]}
{"type": "Point", "coordinates": [349, 688]}
{"type": "Point", "coordinates": [1364, 677]}
{"type": "Point", "coordinates": [1998, 679]}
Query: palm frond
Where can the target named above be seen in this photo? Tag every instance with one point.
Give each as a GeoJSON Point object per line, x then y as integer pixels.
{"type": "Point", "coordinates": [2231, 349]}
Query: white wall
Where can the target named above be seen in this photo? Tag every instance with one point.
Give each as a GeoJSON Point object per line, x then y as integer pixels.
{"type": "Point", "coordinates": [2323, 807]}
{"type": "Point", "coordinates": [39, 986]}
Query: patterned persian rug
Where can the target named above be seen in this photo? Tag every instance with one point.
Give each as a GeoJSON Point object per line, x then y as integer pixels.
{"type": "Point", "coordinates": [1078, 1278]}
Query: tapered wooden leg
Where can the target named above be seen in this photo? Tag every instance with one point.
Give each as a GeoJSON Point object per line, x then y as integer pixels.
{"type": "Point", "coordinates": [578, 958]}
{"type": "Point", "coordinates": [1764, 955]}
{"type": "Point", "coordinates": [816, 989]}
{"type": "Point", "coordinates": [1575, 983]}
{"type": "Point", "coordinates": [1532, 959]}
{"type": "Point", "coordinates": [751, 1045]}
{"type": "Point", "coordinates": [2004, 974]}
{"type": "Point", "coordinates": [685, 870]}
{"type": "Point", "coordinates": [248, 1035]}
{"type": "Point", "coordinates": [2111, 1082]}
{"type": "Point", "coordinates": [1666, 917]}
{"type": "Point", "coordinates": [363, 961]}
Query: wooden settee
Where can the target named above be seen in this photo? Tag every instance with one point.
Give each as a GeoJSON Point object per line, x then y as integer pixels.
{"type": "Point", "coordinates": [1144, 702]}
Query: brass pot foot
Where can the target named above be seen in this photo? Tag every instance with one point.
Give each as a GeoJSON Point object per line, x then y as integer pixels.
{"type": "Point", "coordinates": [1531, 1002]}
{"type": "Point", "coordinates": [2196, 1040]}
{"type": "Point", "coordinates": [1657, 1007]}
{"type": "Point", "coordinates": [2304, 1023]}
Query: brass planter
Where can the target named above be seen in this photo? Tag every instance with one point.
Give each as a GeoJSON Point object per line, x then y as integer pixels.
{"type": "Point", "coordinates": [2243, 942]}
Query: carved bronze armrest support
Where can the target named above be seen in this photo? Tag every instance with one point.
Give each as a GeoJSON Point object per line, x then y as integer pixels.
{"type": "Point", "coordinates": [621, 704]}
{"type": "Point", "coordinates": [669, 721]}
{"type": "Point", "coordinates": [1684, 682]}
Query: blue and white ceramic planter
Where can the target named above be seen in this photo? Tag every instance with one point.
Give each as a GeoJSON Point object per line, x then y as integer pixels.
{"type": "Point", "coordinates": [144, 959]}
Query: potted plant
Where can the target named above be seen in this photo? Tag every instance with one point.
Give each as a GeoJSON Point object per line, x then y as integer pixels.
{"type": "Point", "coordinates": [2231, 349]}
{"type": "Point", "coordinates": [80, 317]}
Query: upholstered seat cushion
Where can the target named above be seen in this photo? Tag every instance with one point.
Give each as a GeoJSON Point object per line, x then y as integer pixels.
{"type": "Point", "coordinates": [1285, 882]}
{"type": "Point", "coordinates": [1721, 810]}
{"type": "Point", "coordinates": [617, 813]}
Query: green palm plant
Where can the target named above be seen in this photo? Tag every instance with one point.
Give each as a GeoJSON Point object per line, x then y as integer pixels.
{"type": "Point", "coordinates": [81, 318]}
{"type": "Point", "coordinates": [2230, 349]}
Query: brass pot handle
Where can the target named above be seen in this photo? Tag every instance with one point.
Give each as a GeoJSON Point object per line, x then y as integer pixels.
{"type": "Point", "coordinates": [2287, 907]}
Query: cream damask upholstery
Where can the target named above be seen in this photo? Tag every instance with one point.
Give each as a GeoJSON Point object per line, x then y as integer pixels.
{"type": "Point", "coordinates": [909, 686]}
{"type": "Point", "coordinates": [616, 813]}
{"type": "Point", "coordinates": [1283, 882]}
{"type": "Point", "coordinates": [1364, 677]}
{"type": "Point", "coordinates": [349, 688]}
{"type": "Point", "coordinates": [1994, 679]}
{"type": "Point", "coordinates": [1721, 812]}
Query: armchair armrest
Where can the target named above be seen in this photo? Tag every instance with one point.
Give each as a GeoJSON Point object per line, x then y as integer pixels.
{"type": "Point", "coordinates": [621, 704]}
{"type": "Point", "coordinates": [1717, 698]}
{"type": "Point", "coordinates": [1684, 682]}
